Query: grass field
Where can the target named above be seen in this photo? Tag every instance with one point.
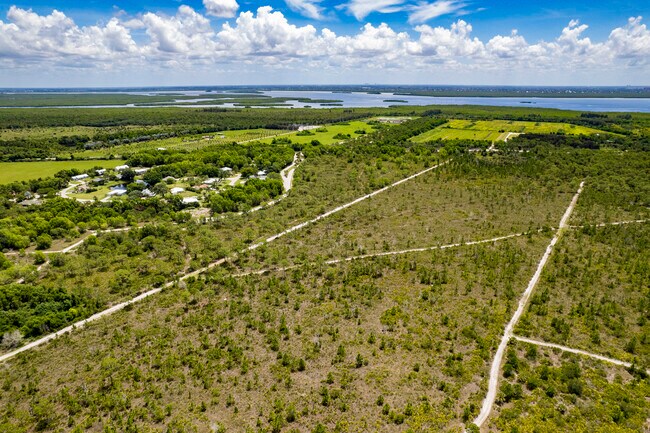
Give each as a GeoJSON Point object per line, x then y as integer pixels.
{"type": "Point", "coordinates": [18, 171]}
{"type": "Point", "coordinates": [327, 133]}
{"type": "Point", "coordinates": [493, 130]}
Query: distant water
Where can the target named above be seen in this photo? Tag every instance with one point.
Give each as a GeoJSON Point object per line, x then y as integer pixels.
{"type": "Point", "coordinates": [367, 100]}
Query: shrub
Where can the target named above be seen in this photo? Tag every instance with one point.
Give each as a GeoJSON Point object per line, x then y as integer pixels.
{"type": "Point", "coordinates": [12, 339]}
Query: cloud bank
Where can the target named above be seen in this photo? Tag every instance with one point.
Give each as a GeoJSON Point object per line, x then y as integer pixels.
{"type": "Point", "coordinates": [266, 38]}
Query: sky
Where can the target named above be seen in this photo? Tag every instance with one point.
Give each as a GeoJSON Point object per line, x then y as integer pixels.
{"type": "Point", "coordinates": [62, 43]}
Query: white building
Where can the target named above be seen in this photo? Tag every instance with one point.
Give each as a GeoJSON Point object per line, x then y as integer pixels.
{"type": "Point", "coordinates": [121, 167]}
{"type": "Point", "coordinates": [176, 190]}
{"type": "Point", "coordinates": [190, 200]}
{"type": "Point", "coordinates": [80, 177]}
{"type": "Point", "coordinates": [116, 192]}
{"type": "Point", "coordinates": [100, 172]}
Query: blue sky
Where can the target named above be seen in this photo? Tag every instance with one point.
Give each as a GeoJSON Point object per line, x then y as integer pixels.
{"type": "Point", "coordinates": [104, 42]}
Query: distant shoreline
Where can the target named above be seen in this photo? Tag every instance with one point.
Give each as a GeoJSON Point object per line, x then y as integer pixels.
{"type": "Point", "coordinates": [397, 90]}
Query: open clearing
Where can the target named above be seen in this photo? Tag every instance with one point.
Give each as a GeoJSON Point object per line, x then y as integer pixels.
{"type": "Point", "coordinates": [326, 134]}
{"type": "Point", "coordinates": [492, 130]}
{"type": "Point", "coordinates": [19, 171]}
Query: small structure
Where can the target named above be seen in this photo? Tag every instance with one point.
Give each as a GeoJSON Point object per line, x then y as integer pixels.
{"type": "Point", "coordinates": [121, 167]}
{"type": "Point", "coordinates": [116, 192]}
{"type": "Point", "coordinates": [100, 172]}
{"type": "Point", "coordinates": [165, 179]}
{"type": "Point", "coordinates": [162, 148]}
{"type": "Point", "coordinates": [79, 177]}
{"type": "Point", "coordinates": [226, 169]}
{"type": "Point", "coordinates": [140, 170]}
{"type": "Point", "coordinates": [176, 190]}
{"type": "Point", "coordinates": [141, 182]}
{"type": "Point", "coordinates": [190, 200]}
{"type": "Point", "coordinates": [98, 181]}
{"type": "Point", "coordinates": [148, 193]}
{"type": "Point", "coordinates": [32, 202]}
{"type": "Point", "coordinates": [211, 181]}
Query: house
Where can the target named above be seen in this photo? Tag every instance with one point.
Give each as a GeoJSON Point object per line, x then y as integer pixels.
{"type": "Point", "coordinates": [140, 170]}
{"type": "Point", "coordinates": [210, 181]}
{"type": "Point", "coordinates": [190, 200]}
{"type": "Point", "coordinates": [147, 193]}
{"type": "Point", "coordinates": [226, 169]}
{"type": "Point", "coordinates": [79, 177]}
{"type": "Point", "coordinates": [165, 179]}
{"type": "Point", "coordinates": [162, 148]}
{"type": "Point", "coordinates": [33, 202]}
{"type": "Point", "coordinates": [121, 167]}
{"type": "Point", "coordinates": [100, 172]}
{"type": "Point", "coordinates": [116, 192]}
{"type": "Point", "coordinates": [176, 190]}
{"type": "Point", "coordinates": [141, 182]}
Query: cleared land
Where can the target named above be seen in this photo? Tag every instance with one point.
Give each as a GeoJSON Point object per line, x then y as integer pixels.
{"type": "Point", "coordinates": [18, 171]}
{"type": "Point", "coordinates": [329, 134]}
{"type": "Point", "coordinates": [492, 130]}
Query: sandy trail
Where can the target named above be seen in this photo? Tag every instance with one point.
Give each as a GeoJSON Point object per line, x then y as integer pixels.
{"type": "Point", "coordinates": [571, 350]}
{"type": "Point", "coordinates": [507, 334]}
{"type": "Point", "coordinates": [383, 254]}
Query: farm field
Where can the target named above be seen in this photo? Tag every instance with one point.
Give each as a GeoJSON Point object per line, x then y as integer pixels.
{"type": "Point", "coordinates": [22, 171]}
{"type": "Point", "coordinates": [492, 130]}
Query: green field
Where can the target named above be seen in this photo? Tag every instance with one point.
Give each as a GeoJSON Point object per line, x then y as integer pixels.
{"type": "Point", "coordinates": [18, 171]}
{"type": "Point", "coordinates": [326, 134]}
{"type": "Point", "coordinates": [493, 130]}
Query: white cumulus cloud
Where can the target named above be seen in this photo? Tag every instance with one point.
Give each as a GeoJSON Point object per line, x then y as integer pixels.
{"type": "Point", "coordinates": [186, 33]}
{"type": "Point", "coordinates": [265, 40]}
{"type": "Point", "coordinates": [268, 33]}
